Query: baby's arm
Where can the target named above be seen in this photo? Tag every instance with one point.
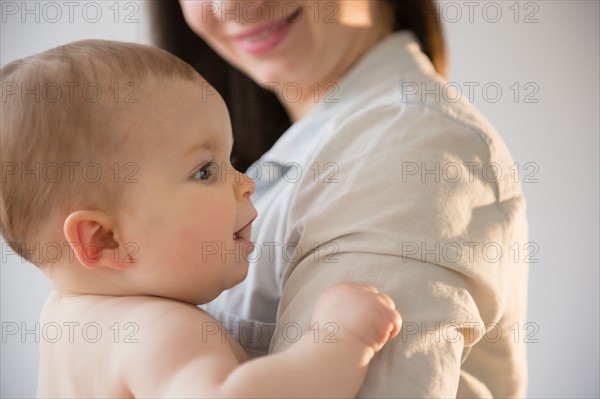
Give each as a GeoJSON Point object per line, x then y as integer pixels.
{"type": "Point", "coordinates": [186, 362]}
{"type": "Point", "coordinates": [365, 318]}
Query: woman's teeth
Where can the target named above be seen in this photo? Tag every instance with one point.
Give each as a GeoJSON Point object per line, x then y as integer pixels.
{"type": "Point", "coordinates": [266, 33]}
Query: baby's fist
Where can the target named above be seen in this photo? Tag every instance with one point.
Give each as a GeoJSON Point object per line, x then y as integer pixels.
{"type": "Point", "coordinates": [359, 310]}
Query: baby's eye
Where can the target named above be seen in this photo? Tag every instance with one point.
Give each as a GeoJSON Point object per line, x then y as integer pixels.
{"type": "Point", "coordinates": [205, 172]}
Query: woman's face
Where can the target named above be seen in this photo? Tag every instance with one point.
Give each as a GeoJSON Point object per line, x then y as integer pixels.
{"type": "Point", "coordinates": [283, 41]}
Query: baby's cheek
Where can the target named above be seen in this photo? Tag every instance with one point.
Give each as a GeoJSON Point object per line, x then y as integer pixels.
{"type": "Point", "coordinates": [194, 239]}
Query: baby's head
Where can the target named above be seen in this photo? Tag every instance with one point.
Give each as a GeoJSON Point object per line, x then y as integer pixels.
{"type": "Point", "coordinates": [116, 176]}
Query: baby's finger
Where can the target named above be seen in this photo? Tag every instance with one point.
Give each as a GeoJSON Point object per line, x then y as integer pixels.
{"type": "Point", "coordinates": [396, 324]}
{"type": "Point", "coordinates": [369, 287]}
{"type": "Point", "coordinates": [387, 300]}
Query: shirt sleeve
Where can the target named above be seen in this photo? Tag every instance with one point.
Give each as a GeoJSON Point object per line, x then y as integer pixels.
{"type": "Point", "coordinates": [422, 205]}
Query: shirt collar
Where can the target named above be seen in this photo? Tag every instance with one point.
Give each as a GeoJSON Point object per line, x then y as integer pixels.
{"type": "Point", "coordinates": [392, 56]}
{"type": "Point", "coordinates": [388, 59]}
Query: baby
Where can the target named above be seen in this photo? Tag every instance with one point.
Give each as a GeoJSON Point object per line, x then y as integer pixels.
{"type": "Point", "coordinates": [117, 184]}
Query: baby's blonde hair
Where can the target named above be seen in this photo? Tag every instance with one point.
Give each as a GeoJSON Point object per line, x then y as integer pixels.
{"type": "Point", "coordinates": [57, 131]}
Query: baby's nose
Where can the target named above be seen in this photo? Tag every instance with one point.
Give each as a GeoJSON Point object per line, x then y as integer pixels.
{"type": "Point", "coordinates": [246, 185]}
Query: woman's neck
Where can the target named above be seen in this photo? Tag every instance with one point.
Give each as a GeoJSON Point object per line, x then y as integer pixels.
{"type": "Point", "coordinates": [313, 93]}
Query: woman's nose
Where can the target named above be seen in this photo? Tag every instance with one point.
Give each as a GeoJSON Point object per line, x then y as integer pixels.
{"type": "Point", "coordinates": [238, 11]}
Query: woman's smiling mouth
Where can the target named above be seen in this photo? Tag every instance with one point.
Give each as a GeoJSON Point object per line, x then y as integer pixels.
{"type": "Point", "coordinates": [268, 36]}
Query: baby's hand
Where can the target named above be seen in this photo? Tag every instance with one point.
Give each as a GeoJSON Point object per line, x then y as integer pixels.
{"type": "Point", "coordinates": [360, 310]}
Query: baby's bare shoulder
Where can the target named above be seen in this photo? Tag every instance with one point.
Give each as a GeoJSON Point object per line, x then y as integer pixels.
{"type": "Point", "coordinates": [146, 320]}
{"type": "Point", "coordinates": [173, 336]}
{"type": "Point", "coordinates": [149, 307]}
{"type": "Point", "coordinates": [161, 319]}
{"type": "Point", "coordinates": [142, 309]}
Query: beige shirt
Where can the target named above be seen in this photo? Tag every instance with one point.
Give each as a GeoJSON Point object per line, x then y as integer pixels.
{"type": "Point", "coordinates": [394, 179]}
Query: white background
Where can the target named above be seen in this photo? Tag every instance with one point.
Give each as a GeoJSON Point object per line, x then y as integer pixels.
{"type": "Point", "coordinates": [556, 53]}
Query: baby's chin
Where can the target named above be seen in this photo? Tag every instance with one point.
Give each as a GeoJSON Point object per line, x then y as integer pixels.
{"type": "Point", "coordinates": [243, 269]}
{"type": "Point", "coordinates": [205, 297]}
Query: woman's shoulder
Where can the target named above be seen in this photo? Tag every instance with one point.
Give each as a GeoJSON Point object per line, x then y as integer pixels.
{"type": "Point", "coordinates": [418, 125]}
{"type": "Point", "coordinates": [409, 105]}
{"type": "Point", "coordinates": [397, 156]}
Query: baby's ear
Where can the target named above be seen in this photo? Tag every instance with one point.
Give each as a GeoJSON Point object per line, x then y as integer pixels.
{"type": "Point", "coordinates": [91, 237]}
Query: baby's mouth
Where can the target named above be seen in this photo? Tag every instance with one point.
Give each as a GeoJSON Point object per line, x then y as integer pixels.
{"type": "Point", "coordinates": [244, 232]}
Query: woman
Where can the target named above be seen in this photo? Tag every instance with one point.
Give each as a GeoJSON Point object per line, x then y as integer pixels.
{"type": "Point", "coordinates": [386, 175]}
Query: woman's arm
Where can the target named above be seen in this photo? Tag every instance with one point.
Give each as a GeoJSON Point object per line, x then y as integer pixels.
{"type": "Point", "coordinates": [426, 208]}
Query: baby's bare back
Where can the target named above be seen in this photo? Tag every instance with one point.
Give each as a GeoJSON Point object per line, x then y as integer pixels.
{"type": "Point", "coordinates": [90, 343]}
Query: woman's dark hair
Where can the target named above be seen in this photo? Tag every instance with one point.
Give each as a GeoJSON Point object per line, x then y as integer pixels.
{"type": "Point", "coordinates": [257, 116]}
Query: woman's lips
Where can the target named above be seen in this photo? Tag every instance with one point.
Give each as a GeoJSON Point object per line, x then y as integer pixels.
{"type": "Point", "coordinates": [267, 37]}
